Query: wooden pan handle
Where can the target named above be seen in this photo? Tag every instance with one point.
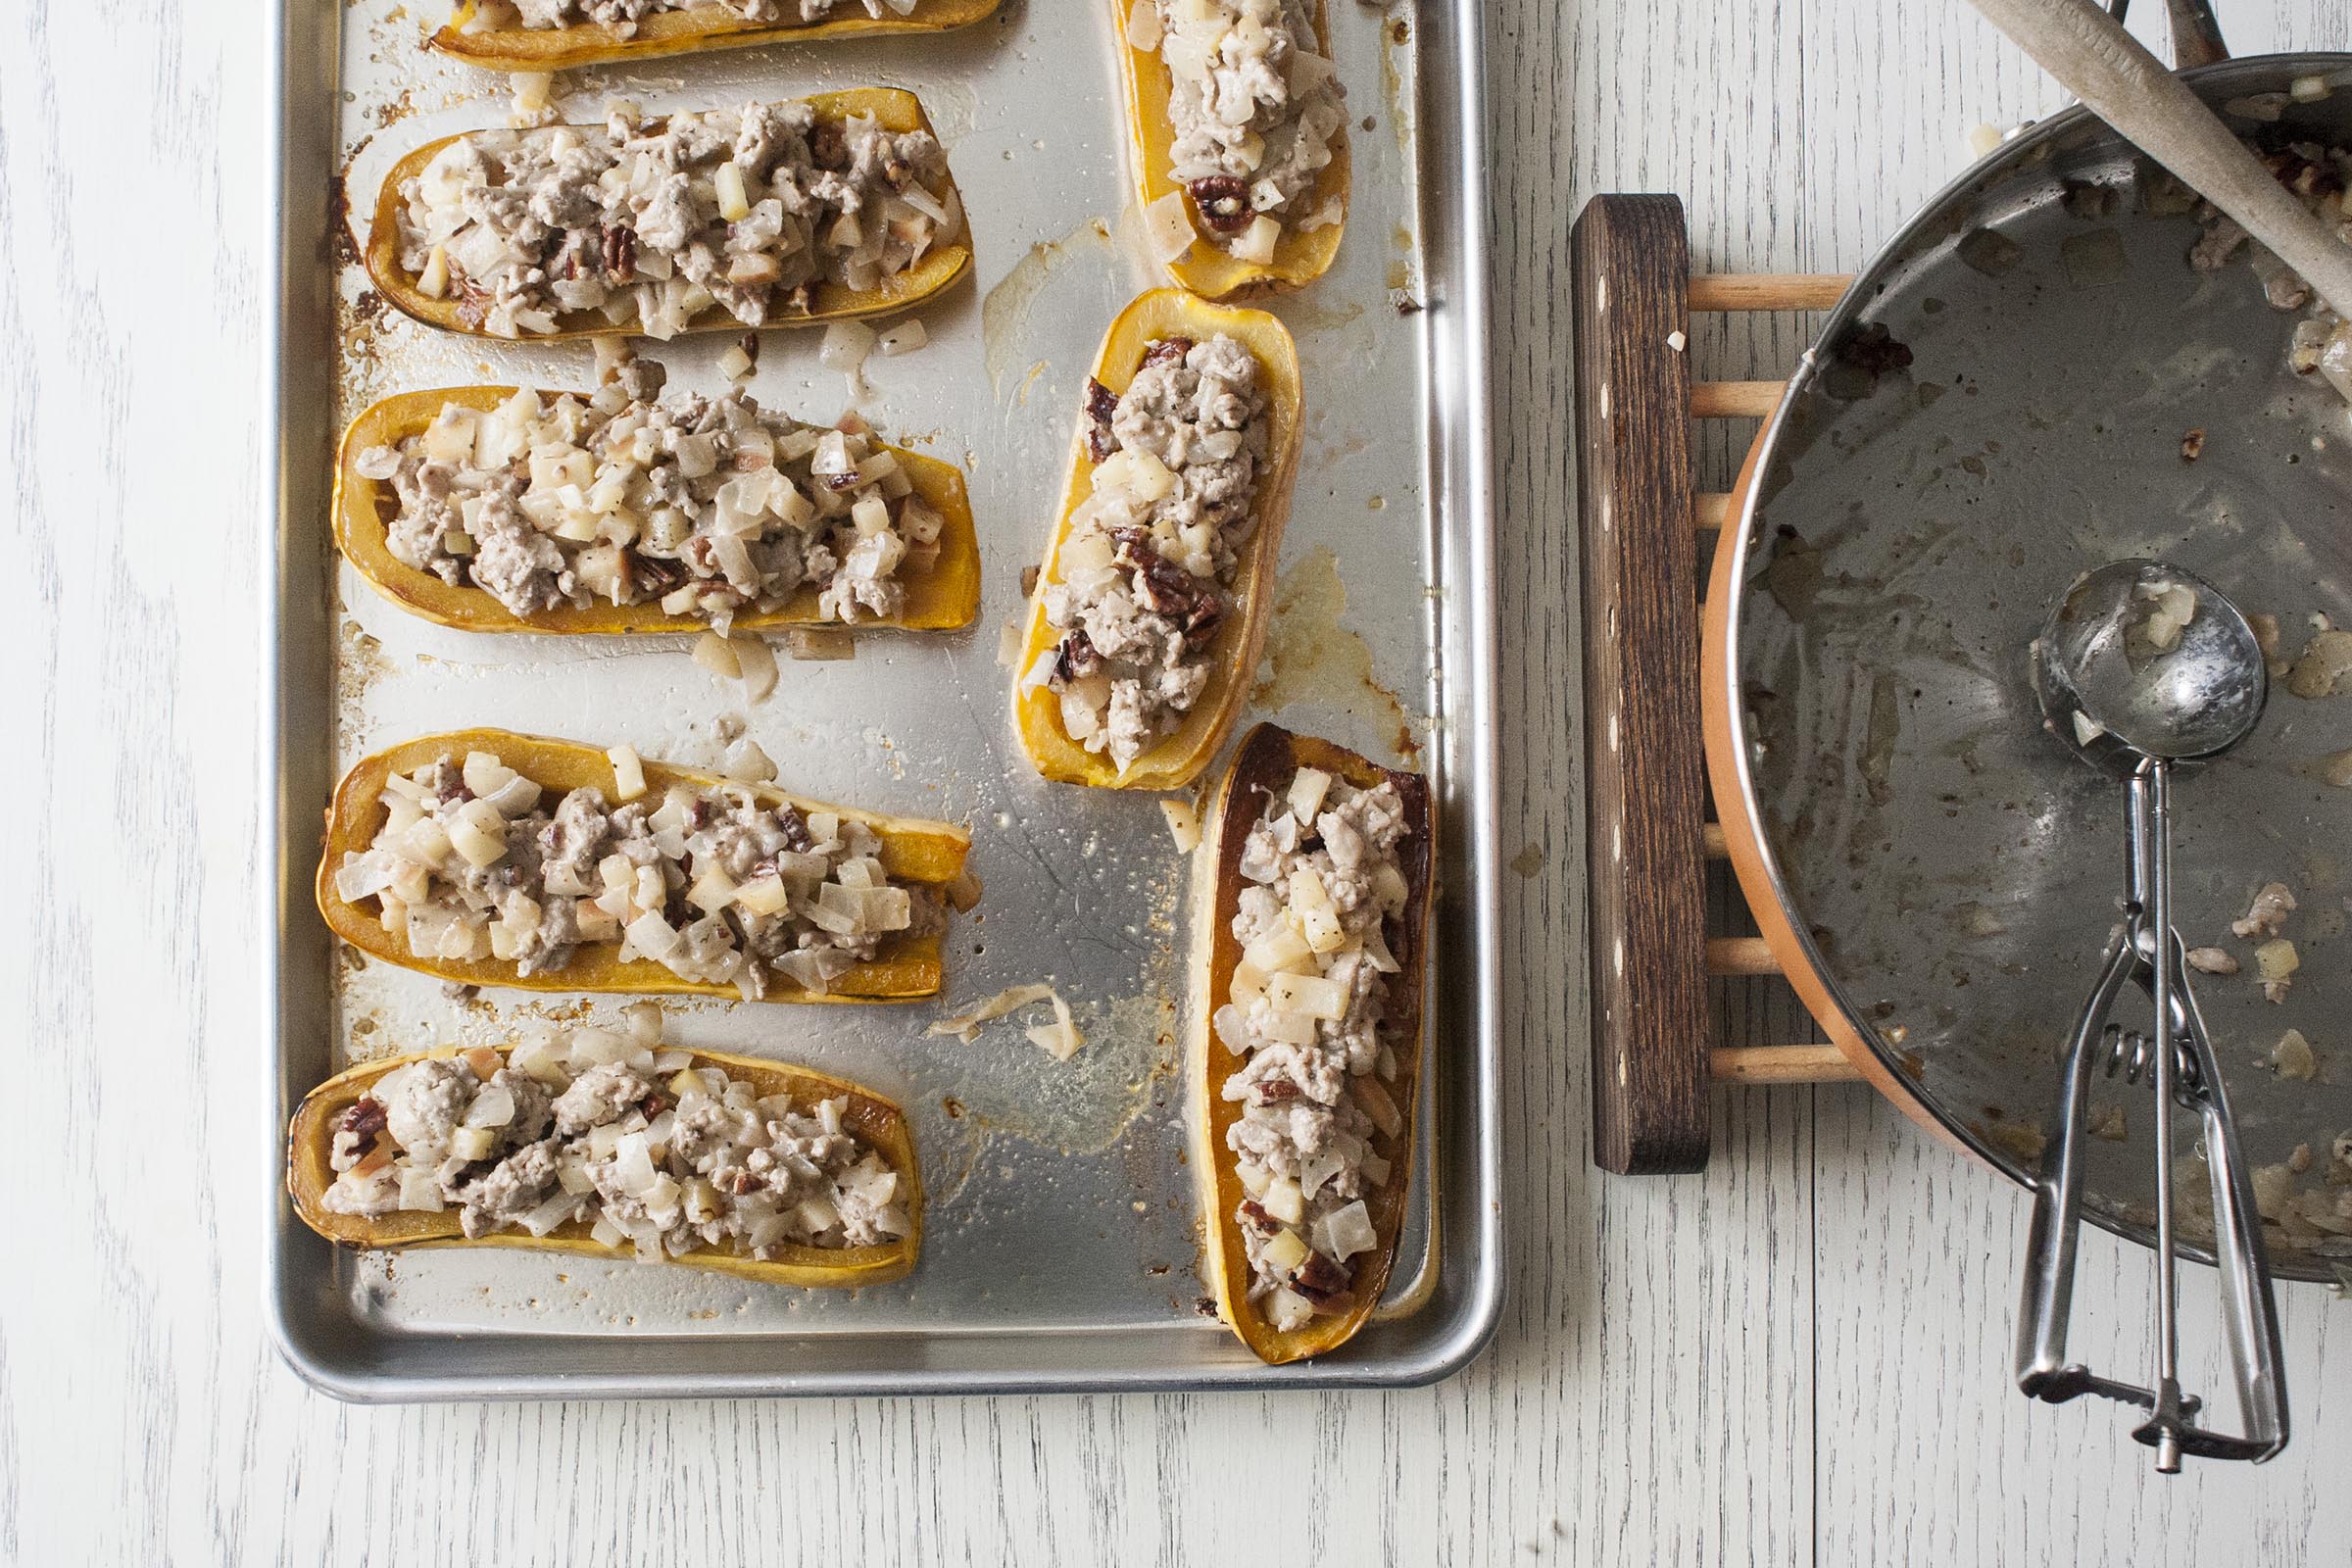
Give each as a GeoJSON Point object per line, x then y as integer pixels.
{"type": "Point", "coordinates": [1630, 273]}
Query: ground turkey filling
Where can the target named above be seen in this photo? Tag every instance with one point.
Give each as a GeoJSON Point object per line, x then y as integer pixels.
{"type": "Point", "coordinates": [715, 885]}
{"type": "Point", "coordinates": [1143, 573]}
{"type": "Point", "coordinates": [605, 1128]}
{"type": "Point", "coordinates": [1317, 923]}
{"type": "Point", "coordinates": [647, 222]}
{"type": "Point", "coordinates": [710, 508]}
{"type": "Point", "coordinates": [1254, 110]}
{"type": "Point", "coordinates": [626, 14]}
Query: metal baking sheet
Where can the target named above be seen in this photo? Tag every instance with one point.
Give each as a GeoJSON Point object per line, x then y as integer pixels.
{"type": "Point", "coordinates": [1063, 1247]}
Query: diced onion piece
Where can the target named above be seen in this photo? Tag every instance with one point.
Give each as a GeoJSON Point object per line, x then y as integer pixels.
{"type": "Point", "coordinates": [419, 1190]}
{"type": "Point", "coordinates": [433, 284]}
{"type": "Point", "coordinates": [1168, 228]}
{"type": "Point", "coordinates": [1374, 1098]}
{"type": "Point", "coordinates": [726, 184]}
{"type": "Point", "coordinates": [654, 937]}
{"type": "Point", "coordinates": [757, 665]}
{"type": "Point", "coordinates": [1322, 929]}
{"type": "Point", "coordinates": [967, 1024]}
{"type": "Point", "coordinates": [472, 1142]}
{"type": "Point", "coordinates": [478, 848]}
{"type": "Point", "coordinates": [1281, 952]}
{"type": "Point", "coordinates": [1284, 1201]}
{"type": "Point", "coordinates": [1375, 1171]}
{"type": "Point", "coordinates": [1253, 1177]}
{"type": "Point", "coordinates": [718, 655]}
{"type": "Point", "coordinates": [819, 643]}
{"type": "Point", "coordinates": [712, 891]}
{"type": "Point", "coordinates": [494, 1107]}
{"type": "Point", "coordinates": [1143, 25]}
{"type": "Point", "coordinates": [628, 773]}
{"type": "Point", "coordinates": [1288, 1310]}
{"type": "Point", "coordinates": [846, 346]}
{"type": "Point", "coordinates": [1258, 240]}
{"type": "Point", "coordinates": [552, 1213]}
{"type": "Point", "coordinates": [902, 337]}
{"type": "Point", "coordinates": [1283, 1252]}
{"type": "Point", "coordinates": [1349, 1231]}
{"type": "Point", "coordinates": [1184, 823]}
{"type": "Point", "coordinates": [1312, 995]}
{"type": "Point", "coordinates": [735, 365]}
{"type": "Point", "coordinates": [1309, 786]}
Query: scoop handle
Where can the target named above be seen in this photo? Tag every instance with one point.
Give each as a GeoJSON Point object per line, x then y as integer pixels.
{"type": "Point", "coordinates": [2098, 62]}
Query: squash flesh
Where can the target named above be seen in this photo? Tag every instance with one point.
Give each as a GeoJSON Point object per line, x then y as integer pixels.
{"type": "Point", "coordinates": [1299, 257]}
{"type": "Point", "coordinates": [1266, 760]}
{"type": "Point", "coordinates": [310, 1172]}
{"type": "Point", "coordinates": [678, 32]}
{"type": "Point", "coordinates": [1176, 758]}
{"type": "Point", "coordinates": [940, 598]}
{"type": "Point", "coordinates": [894, 110]}
{"type": "Point", "coordinates": [912, 850]}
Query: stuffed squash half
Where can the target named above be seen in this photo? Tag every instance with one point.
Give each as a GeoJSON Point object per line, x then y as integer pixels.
{"type": "Point", "coordinates": [487, 858]}
{"type": "Point", "coordinates": [1151, 608]}
{"type": "Point", "coordinates": [1239, 124]}
{"type": "Point", "coordinates": [606, 1142]}
{"type": "Point", "coordinates": [812, 209]}
{"type": "Point", "coordinates": [498, 508]}
{"type": "Point", "coordinates": [1314, 887]}
{"type": "Point", "coordinates": [559, 34]}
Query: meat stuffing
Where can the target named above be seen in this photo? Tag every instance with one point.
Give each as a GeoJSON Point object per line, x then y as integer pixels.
{"type": "Point", "coordinates": [1143, 577]}
{"type": "Point", "coordinates": [641, 1146]}
{"type": "Point", "coordinates": [624, 14]}
{"type": "Point", "coordinates": [1304, 1011]}
{"type": "Point", "coordinates": [2318, 176]}
{"type": "Point", "coordinates": [1254, 110]}
{"type": "Point", "coordinates": [709, 506]}
{"type": "Point", "coordinates": [715, 885]}
{"type": "Point", "coordinates": [645, 223]}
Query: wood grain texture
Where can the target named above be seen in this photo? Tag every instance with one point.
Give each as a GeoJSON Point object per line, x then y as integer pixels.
{"type": "Point", "coordinates": [1799, 1356]}
{"type": "Point", "coordinates": [1629, 271]}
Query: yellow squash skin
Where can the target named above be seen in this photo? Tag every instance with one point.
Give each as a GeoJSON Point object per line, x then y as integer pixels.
{"type": "Point", "coordinates": [1298, 258]}
{"type": "Point", "coordinates": [896, 110]}
{"type": "Point", "coordinates": [1267, 757]}
{"type": "Point", "coordinates": [945, 596]}
{"type": "Point", "coordinates": [912, 850]}
{"type": "Point", "coordinates": [677, 32]}
{"type": "Point", "coordinates": [1177, 758]}
{"type": "Point", "coordinates": [310, 1144]}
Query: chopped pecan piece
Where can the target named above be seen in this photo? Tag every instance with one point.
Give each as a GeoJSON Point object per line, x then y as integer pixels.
{"type": "Point", "coordinates": [1255, 1212]}
{"type": "Point", "coordinates": [621, 253]}
{"type": "Point", "coordinates": [1162, 350]}
{"type": "Point", "coordinates": [1319, 1279]}
{"type": "Point", "coordinates": [1077, 658]}
{"type": "Point", "coordinates": [1101, 404]}
{"type": "Point", "coordinates": [1223, 201]}
{"type": "Point", "coordinates": [364, 1119]}
{"type": "Point", "coordinates": [1274, 1091]}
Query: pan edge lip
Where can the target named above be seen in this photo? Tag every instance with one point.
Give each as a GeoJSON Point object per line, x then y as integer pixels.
{"type": "Point", "coordinates": [1740, 536]}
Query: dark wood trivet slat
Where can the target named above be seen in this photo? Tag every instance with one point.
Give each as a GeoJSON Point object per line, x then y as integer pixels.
{"type": "Point", "coordinates": [1648, 841]}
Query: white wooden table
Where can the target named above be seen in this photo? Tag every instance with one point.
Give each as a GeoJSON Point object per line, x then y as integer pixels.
{"type": "Point", "coordinates": [1799, 1356]}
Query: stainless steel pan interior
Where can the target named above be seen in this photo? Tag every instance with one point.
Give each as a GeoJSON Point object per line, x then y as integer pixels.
{"type": "Point", "coordinates": [1948, 867]}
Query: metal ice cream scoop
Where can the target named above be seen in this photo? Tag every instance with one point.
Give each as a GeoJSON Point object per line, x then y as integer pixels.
{"type": "Point", "coordinates": [2144, 665]}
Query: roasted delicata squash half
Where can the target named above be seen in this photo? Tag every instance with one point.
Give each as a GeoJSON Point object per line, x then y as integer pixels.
{"type": "Point", "coordinates": [497, 509]}
{"type": "Point", "coordinates": [1315, 886]}
{"type": "Point", "coordinates": [492, 33]}
{"type": "Point", "coordinates": [1239, 125]}
{"type": "Point", "coordinates": [487, 858]}
{"type": "Point", "coordinates": [607, 1143]}
{"type": "Point", "coordinates": [810, 210]}
{"type": "Point", "coordinates": [1148, 617]}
